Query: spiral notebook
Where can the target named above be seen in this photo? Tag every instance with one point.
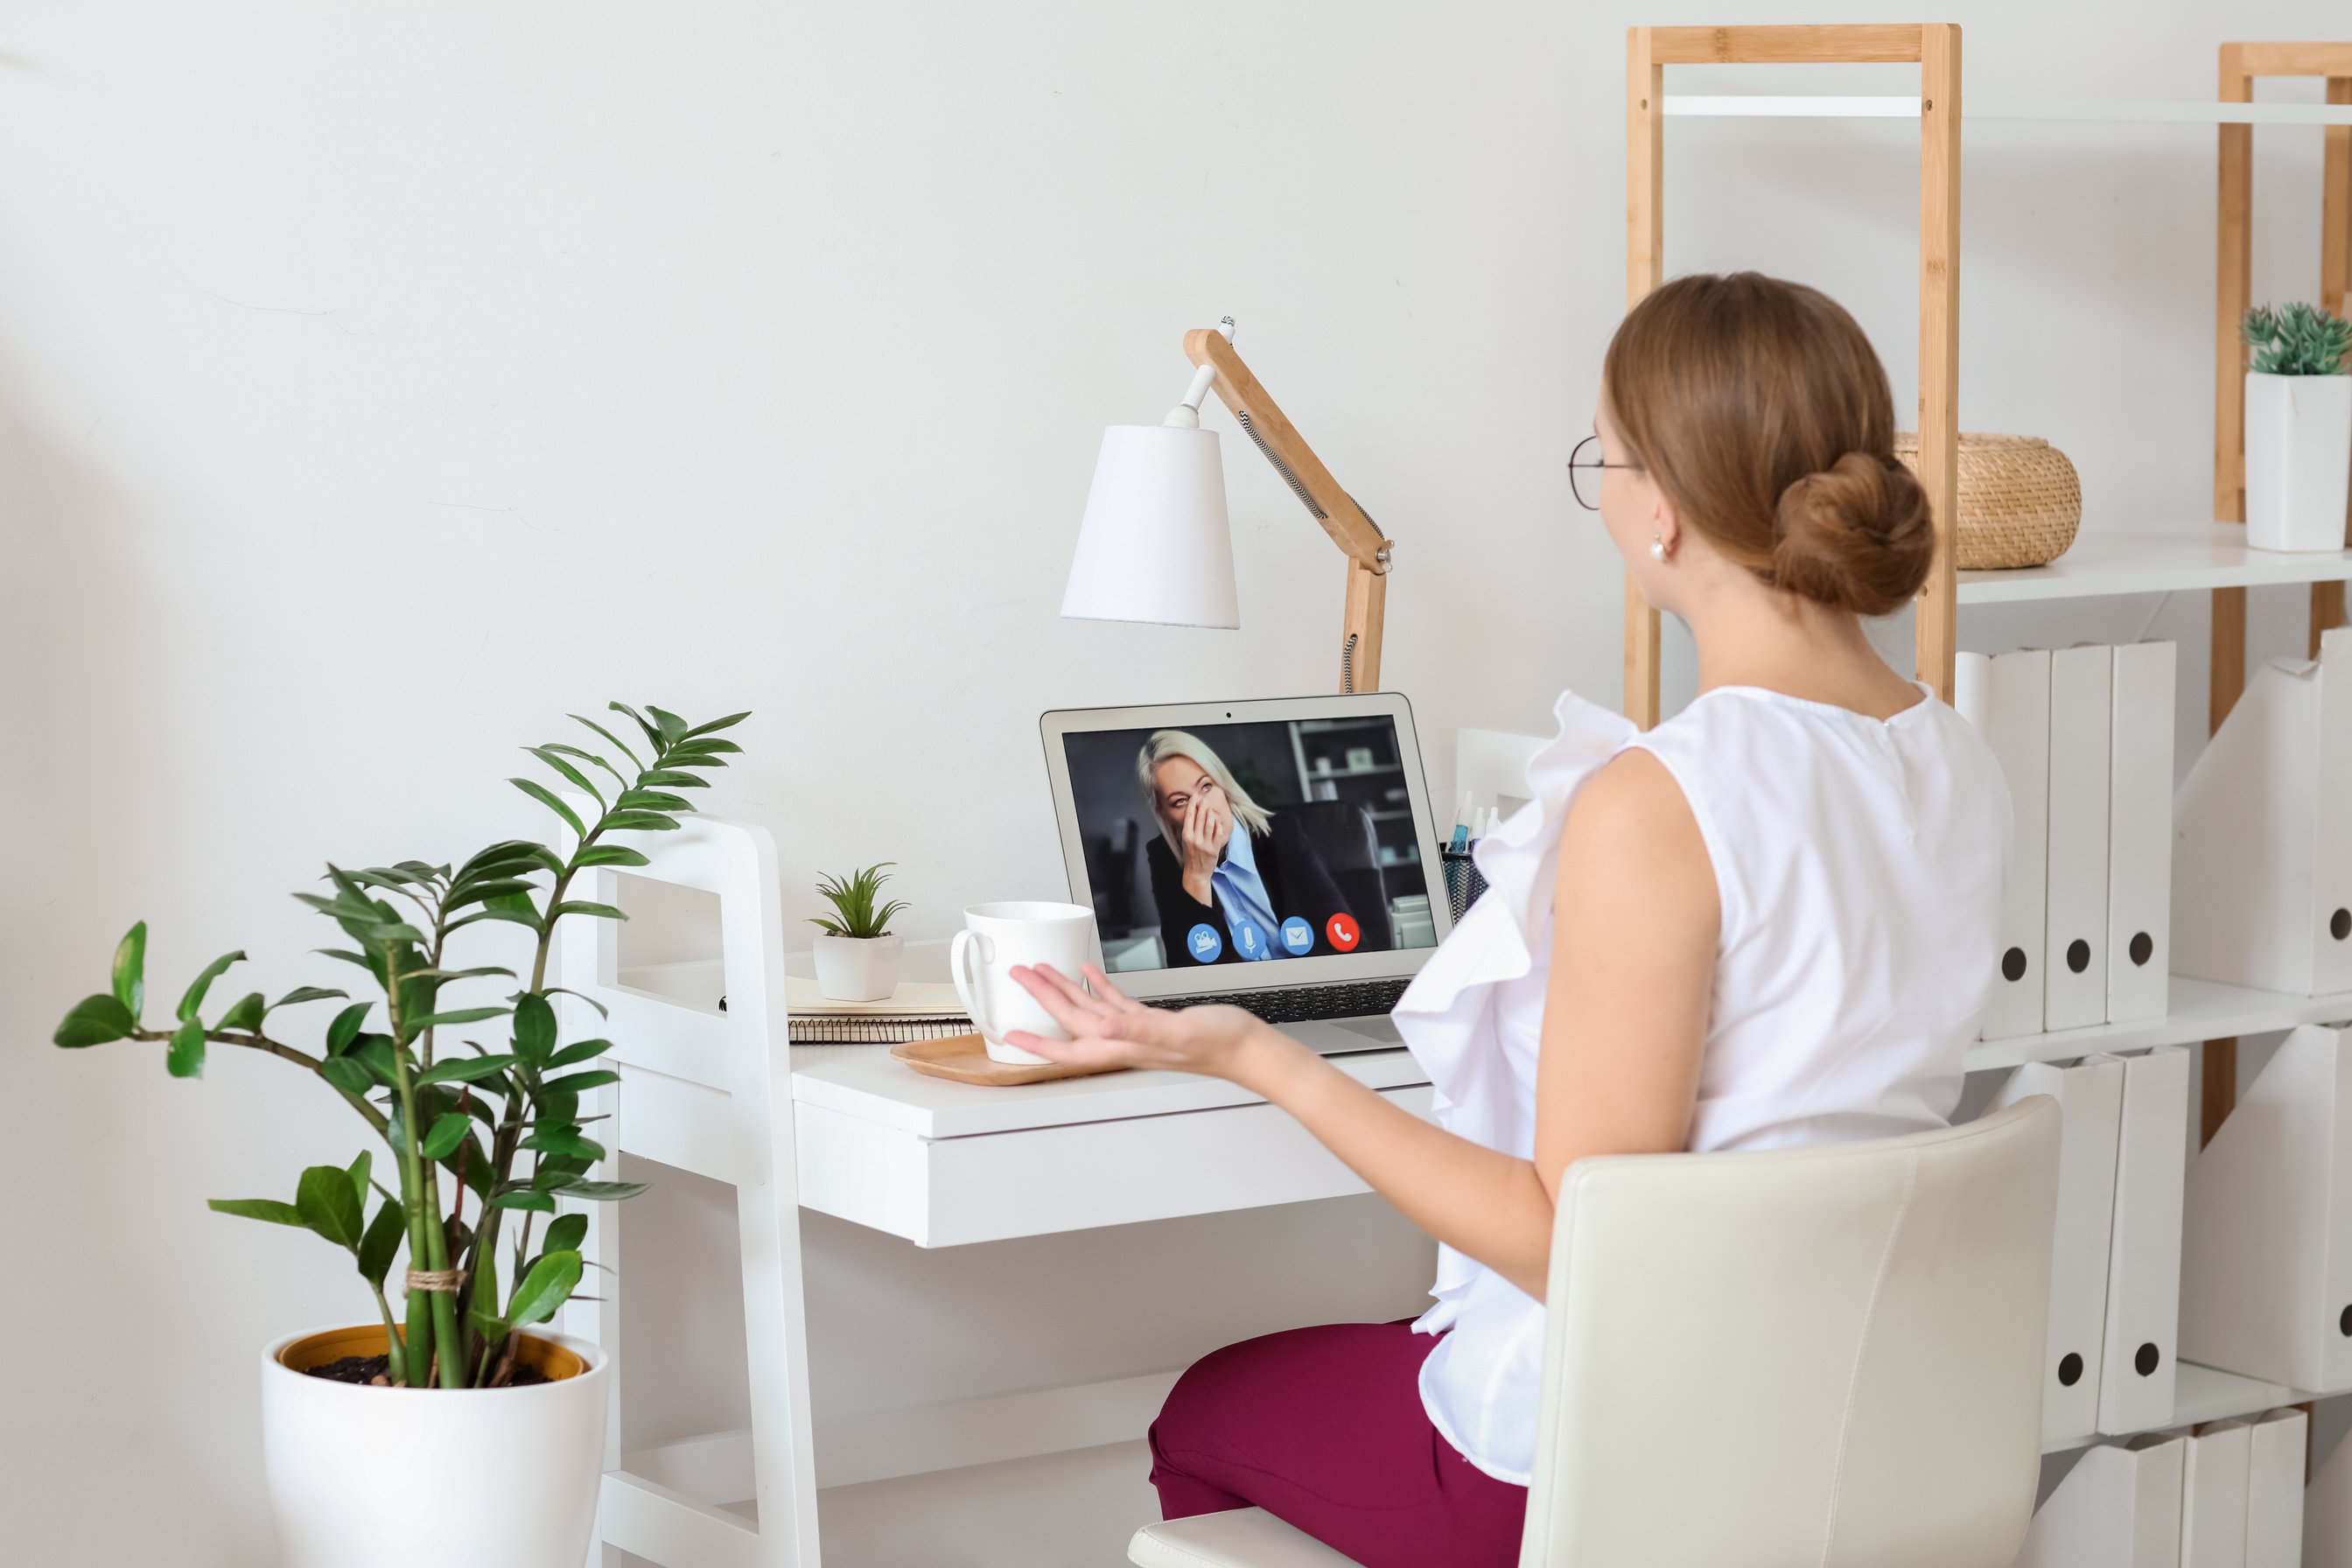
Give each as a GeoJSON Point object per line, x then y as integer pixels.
{"type": "Point", "coordinates": [917, 1010]}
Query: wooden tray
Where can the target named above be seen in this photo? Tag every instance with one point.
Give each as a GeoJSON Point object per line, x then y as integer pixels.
{"type": "Point", "coordinates": [965, 1059]}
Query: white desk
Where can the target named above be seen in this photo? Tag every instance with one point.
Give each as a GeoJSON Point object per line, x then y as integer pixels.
{"type": "Point", "coordinates": [943, 1163]}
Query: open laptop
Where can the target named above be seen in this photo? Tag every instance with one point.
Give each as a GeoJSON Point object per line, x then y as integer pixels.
{"type": "Point", "coordinates": [1324, 895]}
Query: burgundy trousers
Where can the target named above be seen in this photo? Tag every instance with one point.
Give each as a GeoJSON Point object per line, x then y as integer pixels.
{"type": "Point", "coordinates": [1323, 1428]}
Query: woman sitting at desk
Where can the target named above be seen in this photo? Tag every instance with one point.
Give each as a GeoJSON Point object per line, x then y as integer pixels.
{"type": "Point", "coordinates": [1769, 922]}
{"type": "Point", "coordinates": [1226, 873]}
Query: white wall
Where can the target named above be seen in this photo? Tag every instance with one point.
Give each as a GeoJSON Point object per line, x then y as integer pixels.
{"type": "Point", "coordinates": [378, 382]}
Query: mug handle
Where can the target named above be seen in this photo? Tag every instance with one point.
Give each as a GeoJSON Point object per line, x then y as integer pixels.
{"type": "Point", "coordinates": [968, 987]}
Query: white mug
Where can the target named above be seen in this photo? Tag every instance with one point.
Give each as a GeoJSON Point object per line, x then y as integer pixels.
{"type": "Point", "coordinates": [997, 937]}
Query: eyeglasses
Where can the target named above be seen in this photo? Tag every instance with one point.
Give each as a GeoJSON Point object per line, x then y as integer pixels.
{"type": "Point", "coordinates": [1586, 460]}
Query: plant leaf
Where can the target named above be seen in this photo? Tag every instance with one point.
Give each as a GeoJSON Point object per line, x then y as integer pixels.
{"type": "Point", "coordinates": [716, 724]}
{"type": "Point", "coordinates": [639, 822]}
{"type": "Point", "coordinates": [619, 744]}
{"type": "Point", "coordinates": [447, 1134]}
{"type": "Point", "coordinates": [269, 1209]}
{"type": "Point", "coordinates": [346, 1074]}
{"type": "Point", "coordinates": [565, 1142]}
{"type": "Point", "coordinates": [463, 1069]}
{"type": "Point", "coordinates": [346, 1028]}
{"type": "Point", "coordinates": [573, 775]}
{"type": "Point", "coordinates": [247, 1013]}
{"type": "Point", "coordinates": [566, 1232]}
{"type": "Point", "coordinates": [550, 1282]}
{"type": "Point", "coordinates": [450, 1020]}
{"type": "Point", "coordinates": [522, 1198]}
{"type": "Point", "coordinates": [358, 1171]}
{"type": "Point", "coordinates": [186, 1058]}
{"type": "Point", "coordinates": [580, 1082]}
{"type": "Point", "coordinates": [383, 1240]}
{"type": "Point", "coordinates": [582, 907]}
{"type": "Point", "coordinates": [94, 1021]}
{"type": "Point", "coordinates": [554, 803]}
{"type": "Point", "coordinates": [602, 1011]}
{"type": "Point", "coordinates": [610, 855]}
{"type": "Point", "coordinates": [130, 970]}
{"type": "Point", "coordinates": [193, 997]}
{"type": "Point", "coordinates": [673, 779]}
{"type": "Point", "coordinates": [328, 1204]}
{"type": "Point", "coordinates": [578, 1051]}
{"type": "Point", "coordinates": [302, 993]}
{"type": "Point", "coordinates": [534, 1029]}
{"type": "Point", "coordinates": [601, 1192]}
{"type": "Point", "coordinates": [652, 800]}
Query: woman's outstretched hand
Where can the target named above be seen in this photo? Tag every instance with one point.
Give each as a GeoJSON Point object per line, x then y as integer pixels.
{"type": "Point", "coordinates": [1109, 1028]}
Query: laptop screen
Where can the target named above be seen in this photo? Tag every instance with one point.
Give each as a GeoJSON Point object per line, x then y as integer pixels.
{"type": "Point", "coordinates": [1251, 842]}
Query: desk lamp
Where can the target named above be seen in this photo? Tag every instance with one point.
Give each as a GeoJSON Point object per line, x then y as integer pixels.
{"type": "Point", "coordinates": [1156, 544]}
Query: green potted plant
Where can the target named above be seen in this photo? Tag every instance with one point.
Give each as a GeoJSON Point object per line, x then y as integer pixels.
{"type": "Point", "coordinates": [856, 952]}
{"type": "Point", "coordinates": [2298, 426]}
{"type": "Point", "coordinates": [450, 1430]}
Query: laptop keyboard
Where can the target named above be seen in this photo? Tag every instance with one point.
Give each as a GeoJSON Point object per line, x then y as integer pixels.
{"type": "Point", "coordinates": [1301, 1004]}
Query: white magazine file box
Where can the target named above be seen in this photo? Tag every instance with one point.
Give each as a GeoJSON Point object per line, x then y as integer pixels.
{"type": "Point", "coordinates": [2261, 838]}
{"type": "Point", "coordinates": [2074, 935]}
{"type": "Point", "coordinates": [2136, 1371]}
{"type": "Point", "coordinates": [2090, 1096]}
{"type": "Point", "coordinates": [2007, 698]}
{"type": "Point", "coordinates": [2274, 1490]}
{"type": "Point", "coordinates": [2266, 1239]}
{"type": "Point", "coordinates": [2327, 1511]}
{"type": "Point", "coordinates": [2139, 833]}
{"type": "Point", "coordinates": [2119, 1507]}
{"type": "Point", "coordinates": [2213, 1496]}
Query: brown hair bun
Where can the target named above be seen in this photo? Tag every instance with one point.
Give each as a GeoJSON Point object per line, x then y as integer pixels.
{"type": "Point", "coordinates": [1760, 409]}
{"type": "Point", "coordinates": [1857, 536]}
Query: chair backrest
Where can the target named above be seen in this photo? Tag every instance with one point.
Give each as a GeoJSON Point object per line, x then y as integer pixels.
{"type": "Point", "coordinates": [1829, 1355]}
{"type": "Point", "coordinates": [1344, 836]}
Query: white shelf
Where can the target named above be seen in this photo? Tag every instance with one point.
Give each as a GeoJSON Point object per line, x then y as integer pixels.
{"type": "Point", "coordinates": [2201, 1010]}
{"type": "Point", "coordinates": [2202, 1393]}
{"type": "Point", "coordinates": [2109, 111]}
{"type": "Point", "coordinates": [2173, 558]}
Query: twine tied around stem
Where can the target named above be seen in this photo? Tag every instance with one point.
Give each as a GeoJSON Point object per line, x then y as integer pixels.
{"type": "Point", "coordinates": [438, 1281]}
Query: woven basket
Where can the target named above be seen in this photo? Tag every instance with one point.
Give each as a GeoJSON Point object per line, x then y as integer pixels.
{"type": "Point", "coordinates": [2021, 501]}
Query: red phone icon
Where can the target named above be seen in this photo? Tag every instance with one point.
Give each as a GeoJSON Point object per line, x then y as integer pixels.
{"type": "Point", "coordinates": [1343, 932]}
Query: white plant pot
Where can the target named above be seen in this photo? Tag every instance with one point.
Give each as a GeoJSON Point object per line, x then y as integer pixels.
{"type": "Point", "coordinates": [857, 968]}
{"type": "Point", "coordinates": [392, 1477]}
{"type": "Point", "coordinates": [2298, 460]}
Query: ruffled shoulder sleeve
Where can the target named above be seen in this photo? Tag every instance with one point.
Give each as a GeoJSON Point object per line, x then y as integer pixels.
{"type": "Point", "coordinates": [1440, 1014]}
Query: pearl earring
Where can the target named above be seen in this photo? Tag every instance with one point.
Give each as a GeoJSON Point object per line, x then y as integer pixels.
{"type": "Point", "coordinates": [1658, 550]}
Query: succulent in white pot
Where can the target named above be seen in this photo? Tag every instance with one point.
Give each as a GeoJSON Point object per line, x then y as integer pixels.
{"type": "Point", "coordinates": [2298, 427]}
{"type": "Point", "coordinates": [856, 952]}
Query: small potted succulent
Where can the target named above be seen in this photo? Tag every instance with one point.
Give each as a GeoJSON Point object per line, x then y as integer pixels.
{"type": "Point", "coordinates": [453, 1429]}
{"type": "Point", "coordinates": [857, 954]}
{"type": "Point", "coordinates": [2298, 427]}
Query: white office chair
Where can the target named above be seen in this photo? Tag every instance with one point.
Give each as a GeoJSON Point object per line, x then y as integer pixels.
{"type": "Point", "coordinates": [1822, 1357]}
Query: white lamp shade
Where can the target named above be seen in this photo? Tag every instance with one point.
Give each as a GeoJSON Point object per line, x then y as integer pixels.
{"type": "Point", "coordinates": [1155, 545]}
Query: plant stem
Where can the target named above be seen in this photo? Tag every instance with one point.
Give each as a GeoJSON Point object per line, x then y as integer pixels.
{"type": "Point", "coordinates": [260, 1042]}
{"type": "Point", "coordinates": [427, 1239]}
{"type": "Point", "coordinates": [395, 1355]}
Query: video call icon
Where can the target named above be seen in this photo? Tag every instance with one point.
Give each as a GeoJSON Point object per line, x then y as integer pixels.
{"type": "Point", "coordinates": [1204, 943]}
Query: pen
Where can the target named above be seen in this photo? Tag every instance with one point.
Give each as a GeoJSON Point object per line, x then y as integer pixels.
{"type": "Point", "coordinates": [1460, 839]}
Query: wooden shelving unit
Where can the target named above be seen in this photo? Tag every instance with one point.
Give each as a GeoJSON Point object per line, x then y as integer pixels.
{"type": "Point", "coordinates": [2163, 556]}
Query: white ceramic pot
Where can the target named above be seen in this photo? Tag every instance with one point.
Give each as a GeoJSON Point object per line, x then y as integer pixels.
{"type": "Point", "coordinates": [392, 1477]}
{"type": "Point", "coordinates": [2298, 460]}
{"type": "Point", "coordinates": [857, 968]}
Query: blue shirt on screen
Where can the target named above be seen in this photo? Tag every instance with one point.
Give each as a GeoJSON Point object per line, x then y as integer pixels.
{"type": "Point", "coordinates": [1241, 894]}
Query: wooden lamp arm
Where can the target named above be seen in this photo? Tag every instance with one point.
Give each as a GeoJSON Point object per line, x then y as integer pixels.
{"type": "Point", "coordinates": [1368, 551]}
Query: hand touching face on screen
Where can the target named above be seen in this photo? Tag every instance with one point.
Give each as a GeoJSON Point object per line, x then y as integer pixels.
{"type": "Point", "coordinates": [1202, 816]}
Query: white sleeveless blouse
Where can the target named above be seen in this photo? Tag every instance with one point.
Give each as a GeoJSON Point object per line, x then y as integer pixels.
{"type": "Point", "coordinates": [1859, 863]}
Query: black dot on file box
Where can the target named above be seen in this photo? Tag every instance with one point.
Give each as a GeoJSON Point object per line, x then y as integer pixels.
{"type": "Point", "coordinates": [2344, 1322]}
{"type": "Point", "coordinates": [2069, 1369]}
{"type": "Point", "coordinates": [2143, 947]}
{"type": "Point", "coordinates": [2078, 955]}
{"type": "Point", "coordinates": [2339, 924]}
{"type": "Point", "coordinates": [2013, 965]}
{"type": "Point", "coordinates": [2145, 1360]}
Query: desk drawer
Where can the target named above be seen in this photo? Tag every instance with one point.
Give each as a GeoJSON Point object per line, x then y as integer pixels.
{"type": "Point", "coordinates": [945, 1191]}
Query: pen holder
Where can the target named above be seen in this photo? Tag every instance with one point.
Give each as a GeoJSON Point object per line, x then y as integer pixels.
{"type": "Point", "coordinates": [1463, 882]}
